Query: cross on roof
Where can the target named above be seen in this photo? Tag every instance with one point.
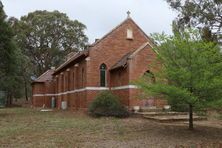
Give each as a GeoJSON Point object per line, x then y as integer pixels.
{"type": "Point", "coordinates": [128, 14]}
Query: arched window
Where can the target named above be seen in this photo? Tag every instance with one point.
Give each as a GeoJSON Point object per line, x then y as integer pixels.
{"type": "Point", "coordinates": [149, 77]}
{"type": "Point", "coordinates": [103, 75]}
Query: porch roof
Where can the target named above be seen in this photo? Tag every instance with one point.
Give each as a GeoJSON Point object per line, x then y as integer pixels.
{"type": "Point", "coordinates": [122, 63]}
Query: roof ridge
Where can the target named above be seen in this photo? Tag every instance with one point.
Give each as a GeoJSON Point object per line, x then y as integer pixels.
{"type": "Point", "coordinates": [95, 43]}
{"type": "Point", "coordinates": [111, 31]}
{"type": "Point", "coordinates": [143, 33]}
{"type": "Point", "coordinates": [128, 18]}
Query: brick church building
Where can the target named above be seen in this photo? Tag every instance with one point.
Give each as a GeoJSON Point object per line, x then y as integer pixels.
{"type": "Point", "coordinates": [111, 63]}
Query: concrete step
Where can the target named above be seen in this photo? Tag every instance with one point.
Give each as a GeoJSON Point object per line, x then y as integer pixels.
{"type": "Point", "coordinates": [174, 118]}
{"type": "Point", "coordinates": [168, 113]}
{"type": "Point", "coordinates": [150, 109]}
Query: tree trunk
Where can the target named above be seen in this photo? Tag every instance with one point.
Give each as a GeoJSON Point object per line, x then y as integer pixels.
{"type": "Point", "coordinates": [190, 117]}
{"type": "Point", "coordinates": [9, 99]}
{"type": "Point", "coordinates": [26, 91]}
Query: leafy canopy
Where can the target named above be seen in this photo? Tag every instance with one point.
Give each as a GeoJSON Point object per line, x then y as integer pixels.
{"type": "Point", "coordinates": [203, 14]}
{"type": "Point", "coordinates": [191, 71]}
{"type": "Point", "coordinates": [47, 37]}
{"type": "Point", "coordinates": [10, 57]}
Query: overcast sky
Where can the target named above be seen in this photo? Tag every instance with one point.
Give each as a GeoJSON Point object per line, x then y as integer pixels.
{"type": "Point", "coordinates": [100, 16]}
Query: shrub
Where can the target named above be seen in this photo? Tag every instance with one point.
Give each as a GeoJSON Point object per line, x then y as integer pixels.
{"type": "Point", "coordinates": [107, 104]}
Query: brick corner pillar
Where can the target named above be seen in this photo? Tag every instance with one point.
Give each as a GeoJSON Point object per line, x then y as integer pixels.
{"type": "Point", "coordinates": [87, 81]}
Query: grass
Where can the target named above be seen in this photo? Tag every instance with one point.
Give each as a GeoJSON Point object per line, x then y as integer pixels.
{"type": "Point", "coordinates": [25, 127]}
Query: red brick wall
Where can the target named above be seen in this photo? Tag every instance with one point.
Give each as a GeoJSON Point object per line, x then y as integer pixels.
{"type": "Point", "coordinates": [119, 77]}
{"type": "Point", "coordinates": [143, 61]}
{"type": "Point", "coordinates": [123, 95]}
{"type": "Point", "coordinates": [111, 49]}
{"type": "Point", "coordinates": [39, 101]}
{"type": "Point", "coordinates": [38, 88]}
{"type": "Point", "coordinates": [49, 87]}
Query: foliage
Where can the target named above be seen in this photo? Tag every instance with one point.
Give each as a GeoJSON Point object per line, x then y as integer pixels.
{"type": "Point", "coordinates": [191, 70]}
{"type": "Point", "coordinates": [203, 14]}
{"type": "Point", "coordinates": [107, 104]}
{"type": "Point", "coordinates": [216, 104]}
{"type": "Point", "coordinates": [10, 57]}
{"type": "Point", "coordinates": [177, 105]}
{"type": "Point", "coordinates": [25, 73]}
{"type": "Point", "coordinates": [47, 37]}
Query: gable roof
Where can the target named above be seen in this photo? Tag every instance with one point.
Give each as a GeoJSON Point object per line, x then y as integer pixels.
{"type": "Point", "coordinates": [84, 54]}
{"type": "Point", "coordinates": [47, 76]}
{"type": "Point", "coordinates": [122, 63]}
{"type": "Point", "coordinates": [127, 19]}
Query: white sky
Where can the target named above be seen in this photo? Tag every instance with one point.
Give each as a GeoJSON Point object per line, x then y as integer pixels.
{"type": "Point", "coordinates": [100, 16]}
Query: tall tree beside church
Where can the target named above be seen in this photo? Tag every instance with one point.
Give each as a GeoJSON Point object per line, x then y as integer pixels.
{"type": "Point", "coordinates": [203, 14]}
{"type": "Point", "coordinates": [9, 59]}
{"type": "Point", "coordinates": [191, 72]}
{"type": "Point", "coordinates": [46, 37]}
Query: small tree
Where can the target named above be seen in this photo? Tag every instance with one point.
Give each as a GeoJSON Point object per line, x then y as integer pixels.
{"type": "Point", "coordinates": [191, 71]}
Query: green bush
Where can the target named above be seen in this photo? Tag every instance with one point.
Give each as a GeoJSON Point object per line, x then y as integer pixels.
{"type": "Point", "coordinates": [107, 104]}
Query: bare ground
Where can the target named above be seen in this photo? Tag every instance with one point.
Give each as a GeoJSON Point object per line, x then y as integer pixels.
{"type": "Point", "coordinates": [25, 127]}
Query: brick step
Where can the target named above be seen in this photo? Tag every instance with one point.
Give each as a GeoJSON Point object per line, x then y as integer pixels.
{"type": "Point", "coordinates": [169, 113]}
{"type": "Point", "coordinates": [174, 118]}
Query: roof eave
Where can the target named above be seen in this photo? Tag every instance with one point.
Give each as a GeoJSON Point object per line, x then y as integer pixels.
{"type": "Point", "coordinates": [77, 59]}
{"type": "Point", "coordinates": [119, 67]}
{"type": "Point", "coordinates": [32, 83]}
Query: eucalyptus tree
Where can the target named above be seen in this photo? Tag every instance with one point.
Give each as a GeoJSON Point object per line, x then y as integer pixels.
{"type": "Point", "coordinates": [203, 14]}
{"type": "Point", "coordinates": [47, 37]}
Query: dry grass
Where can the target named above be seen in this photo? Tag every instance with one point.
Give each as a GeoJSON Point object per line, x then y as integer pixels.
{"type": "Point", "coordinates": [24, 127]}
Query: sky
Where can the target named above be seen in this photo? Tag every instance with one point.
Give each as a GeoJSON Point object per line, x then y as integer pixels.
{"type": "Point", "coordinates": [101, 16]}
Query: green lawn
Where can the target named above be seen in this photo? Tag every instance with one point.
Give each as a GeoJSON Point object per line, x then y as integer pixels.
{"type": "Point", "coordinates": [25, 127]}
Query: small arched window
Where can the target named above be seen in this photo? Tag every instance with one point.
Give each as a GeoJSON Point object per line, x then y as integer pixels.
{"type": "Point", "coordinates": [103, 75]}
{"type": "Point", "coordinates": [149, 77]}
